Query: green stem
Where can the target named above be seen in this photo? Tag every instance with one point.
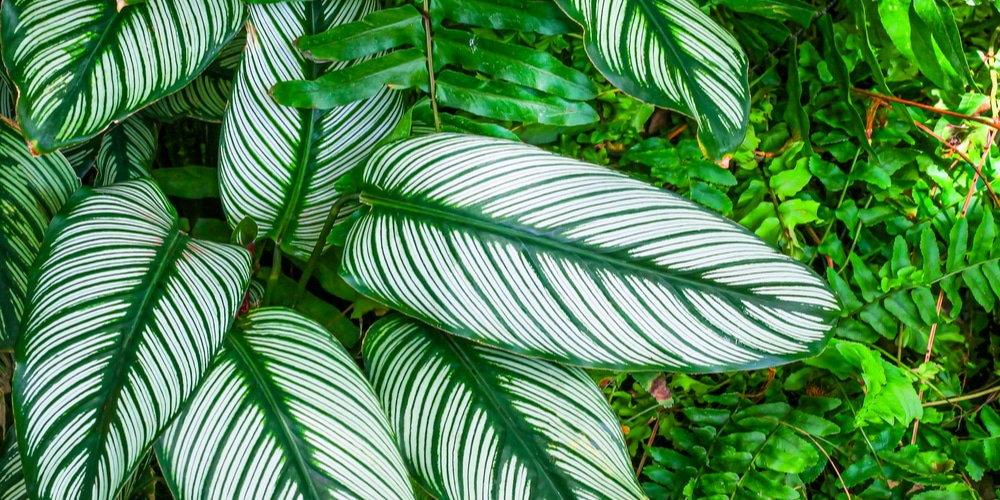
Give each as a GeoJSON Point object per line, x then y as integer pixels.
{"type": "Point", "coordinates": [965, 397]}
{"type": "Point", "coordinates": [430, 65]}
{"type": "Point", "coordinates": [317, 252]}
{"type": "Point", "coordinates": [272, 279]}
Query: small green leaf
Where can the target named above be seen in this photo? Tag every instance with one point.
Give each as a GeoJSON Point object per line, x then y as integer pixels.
{"type": "Point", "coordinates": [958, 241]}
{"type": "Point", "coordinates": [506, 101]}
{"type": "Point", "coordinates": [540, 16]}
{"type": "Point", "coordinates": [381, 30]}
{"type": "Point", "coordinates": [513, 63]}
{"type": "Point", "coordinates": [397, 70]}
{"type": "Point", "coordinates": [931, 255]}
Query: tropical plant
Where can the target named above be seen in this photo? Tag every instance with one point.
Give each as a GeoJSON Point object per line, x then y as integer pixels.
{"type": "Point", "coordinates": [364, 280]}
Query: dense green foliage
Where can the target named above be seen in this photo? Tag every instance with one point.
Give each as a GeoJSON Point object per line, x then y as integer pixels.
{"type": "Point", "coordinates": [855, 136]}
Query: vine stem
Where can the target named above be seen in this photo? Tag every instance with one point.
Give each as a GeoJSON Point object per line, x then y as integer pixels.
{"type": "Point", "coordinates": [430, 65]}
{"type": "Point", "coordinates": [925, 107]}
{"type": "Point", "coordinates": [829, 459]}
{"type": "Point", "coordinates": [974, 395]}
{"type": "Point", "coordinates": [317, 252]}
{"type": "Point", "coordinates": [978, 168]}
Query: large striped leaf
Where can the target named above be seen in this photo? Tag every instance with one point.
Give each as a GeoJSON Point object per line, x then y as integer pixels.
{"type": "Point", "coordinates": [279, 164]}
{"type": "Point", "coordinates": [31, 192]}
{"type": "Point", "coordinates": [284, 413]}
{"type": "Point", "coordinates": [669, 53]}
{"type": "Point", "coordinates": [542, 255]}
{"type": "Point", "coordinates": [12, 485]}
{"type": "Point", "coordinates": [79, 65]}
{"type": "Point", "coordinates": [125, 314]}
{"type": "Point", "coordinates": [207, 96]}
{"type": "Point", "coordinates": [475, 422]}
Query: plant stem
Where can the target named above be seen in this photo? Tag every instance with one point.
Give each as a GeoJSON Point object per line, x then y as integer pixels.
{"type": "Point", "coordinates": [272, 279]}
{"type": "Point", "coordinates": [925, 107]}
{"type": "Point", "coordinates": [977, 167]}
{"type": "Point", "coordinates": [317, 252]}
{"type": "Point", "coordinates": [974, 395]}
{"type": "Point", "coordinates": [430, 65]}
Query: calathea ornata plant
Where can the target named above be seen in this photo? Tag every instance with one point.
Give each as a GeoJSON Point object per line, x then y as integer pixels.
{"type": "Point", "coordinates": [511, 270]}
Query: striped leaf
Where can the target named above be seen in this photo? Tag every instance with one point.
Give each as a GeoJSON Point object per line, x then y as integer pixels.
{"type": "Point", "coordinates": [207, 96]}
{"type": "Point", "coordinates": [80, 65]}
{"type": "Point", "coordinates": [518, 248]}
{"type": "Point", "coordinates": [277, 164]}
{"type": "Point", "coordinates": [284, 413]}
{"type": "Point", "coordinates": [12, 485]}
{"type": "Point", "coordinates": [82, 156]}
{"type": "Point", "coordinates": [31, 192]}
{"type": "Point", "coordinates": [475, 422]}
{"type": "Point", "coordinates": [669, 53]}
{"type": "Point", "coordinates": [125, 314]}
{"type": "Point", "coordinates": [127, 152]}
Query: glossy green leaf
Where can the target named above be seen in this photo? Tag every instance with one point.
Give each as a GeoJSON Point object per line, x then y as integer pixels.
{"type": "Point", "coordinates": [207, 96]}
{"type": "Point", "coordinates": [423, 124]}
{"type": "Point", "coordinates": [542, 255]}
{"type": "Point", "coordinates": [398, 70]}
{"type": "Point", "coordinates": [381, 30]}
{"type": "Point", "coordinates": [669, 53]}
{"type": "Point", "coordinates": [124, 316]}
{"type": "Point", "coordinates": [288, 407]}
{"type": "Point", "coordinates": [794, 10]}
{"type": "Point", "coordinates": [32, 189]}
{"type": "Point", "coordinates": [479, 423]}
{"type": "Point", "coordinates": [540, 16]}
{"type": "Point", "coordinates": [513, 63]}
{"type": "Point", "coordinates": [924, 31]}
{"type": "Point", "coordinates": [80, 65]}
{"type": "Point", "coordinates": [506, 101]}
{"type": "Point", "coordinates": [279, 165]}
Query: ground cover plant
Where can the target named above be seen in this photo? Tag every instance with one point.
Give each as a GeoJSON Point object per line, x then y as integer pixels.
{"type": "Point", "coordinates": [508, 249]}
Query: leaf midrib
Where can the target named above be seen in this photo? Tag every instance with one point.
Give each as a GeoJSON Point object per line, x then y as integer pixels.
{"type": "Point", "coordinates": [308, 117]}
{"type": "Point", "coordinates": [85, 66]}
{"type": "Point", "coordinates": [540, 461]}
{"type": "Point", "coordinates": [383, 199]}
{"type": "Point", "coordinates": [264, 393]}
{"type": "Point", "coordinates": [130, 341]}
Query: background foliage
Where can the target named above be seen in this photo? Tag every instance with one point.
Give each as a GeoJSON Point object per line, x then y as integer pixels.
{"type": "Point", "coordinates": [868, 155]}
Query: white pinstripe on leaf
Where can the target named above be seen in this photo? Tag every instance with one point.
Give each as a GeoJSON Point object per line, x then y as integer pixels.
{"type": "Point", "coordinates": [12, 485]}
{"type": "Point", "coordinates": [31, 192]}
{"type": "Point", "coordinates": [669, 53]}
{"type": "Point", "coordinates": [124, 316]}
{"type": "Point", "coordinates": [475, 422]}
{"type": "Point", "coordinates": [284, 413]}
{"type": "Point", "coordinates": [79, 65]}
{"type": "Point", "coordinates": [207, 96]}
{"type": "Point", "coordinates": [515, 247]}
{"type": "Point", "coordinates": [127, 152]}
{"type": "Point", "coordinates": [279, 164]}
